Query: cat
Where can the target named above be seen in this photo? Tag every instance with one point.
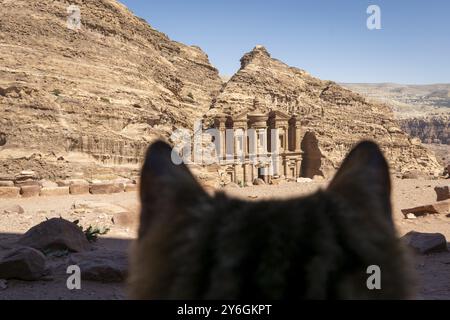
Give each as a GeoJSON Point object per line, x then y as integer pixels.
{"type": "Point", "coordinates": [195, 246]}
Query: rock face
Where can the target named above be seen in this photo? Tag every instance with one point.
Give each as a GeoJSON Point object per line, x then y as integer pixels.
{"type": "Point", "coordinates": [431, 129]}
{"type": "Point", "coordinates": [55, 234]}
{"type": "Point", "coordinates": [336, 116]}
{"type": "Point", "coordinates": [108, 89]}
{"type": "Point", "coordinates": [105, 90]}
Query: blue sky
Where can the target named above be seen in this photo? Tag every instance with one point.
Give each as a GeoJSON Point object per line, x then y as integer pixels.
{"type": "Point", "coordinates": [327, 38]}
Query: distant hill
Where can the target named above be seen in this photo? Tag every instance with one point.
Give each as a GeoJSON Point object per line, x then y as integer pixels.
{"type": "Point", "coordinates": [338, 117]}
{"type": "Point", "coordinates": [422, 110]}
{"type": "Point", "coordinates": [407, 101]}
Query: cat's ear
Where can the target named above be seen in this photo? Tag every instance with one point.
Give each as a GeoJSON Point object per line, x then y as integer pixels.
{"type": "Point", "coordinates": [364, 181]}
{"type": "Point", "coordinates": [167, 189]}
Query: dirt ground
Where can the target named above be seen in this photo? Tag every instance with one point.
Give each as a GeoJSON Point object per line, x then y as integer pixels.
{"type": "Point", "coordinates": [433, 270]}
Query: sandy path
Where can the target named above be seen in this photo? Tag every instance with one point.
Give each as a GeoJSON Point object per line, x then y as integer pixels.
{"type": "Point", "coordinates": [433, 270]}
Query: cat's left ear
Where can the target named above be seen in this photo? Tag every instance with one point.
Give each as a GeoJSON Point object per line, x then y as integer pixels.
{"type": "Point", "coordinates": [364, 181]}
{"type": "Point", "coordinates": [168, 190]}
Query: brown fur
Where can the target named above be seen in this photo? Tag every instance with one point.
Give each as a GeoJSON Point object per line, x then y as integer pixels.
{"type": "Point", "coordinates": [194, 246]}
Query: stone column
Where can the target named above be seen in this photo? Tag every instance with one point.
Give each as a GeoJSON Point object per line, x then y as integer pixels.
{"type": "Point", "coordinates": [222, 142]}
{"type": "Point", "coordinates": [286, 169]}
{"type": "Point", "coordinates": [252, 134]}
{"type": "Point", "coordinates": [298, 166]}
{"type": "Point", "coordinates": [298, 137]}
{"type": "Point", "coordinates": [230, 144]}
{"type": "Point", "coordinates": [262, 145]}
{"type": "Point", "coordinates": [275, 149]}
{"type": "Point", "coordinates": [285, 139]}
{"type": "Point", "coordinates": [219, 124]}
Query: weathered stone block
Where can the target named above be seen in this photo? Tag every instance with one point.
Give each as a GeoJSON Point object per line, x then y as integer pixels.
{"type": "Point", "coordinates": [28, 183]}
{"type": "Point", "coordinates": [131, 187]}
{"type": "Point", "coordinates": [106, 188]}
{"type": "Point", "coordinates": [48, 184]}
{"type": "Point", "coordinates": [30, 191]}
{"type": "Point", "coordinates": [76, 189]}
{"type": "Point", "coordinates": [425, 243]}
{"type": "Point", "coordinates": [6, 184]}
{"type": "Point", "coordinates": [59, 191]}
{"type": "Point", "coordinates": [441, 207]}
{"type": "Point", "coordinates": [442, 193]}
{"type": "Point", "coordinates": [9, 192]}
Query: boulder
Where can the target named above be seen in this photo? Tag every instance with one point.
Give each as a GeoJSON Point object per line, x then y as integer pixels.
{"type": "Point", "coordinates": [425, 243]}
{"type": "Point", "coordinates": [28, 183]}
{"type": "Point", "coordinates": [131, 187]}
{"type": "Point", "coordinates": [58, 191]}
{"type": "Point", "coordinates": [55, 234]}
{"type": "Point", "coordinates": [69, 182]}
{"type": "Point", "coordinates": [106, 188]}
{"type": "Point", "coordinates": [48, 184]}
{"type": "Point", "coordinates": [6, 184]}
{"type": "Point", "coordinates": [442, 193]}
{"type": "Point", "coordinates": [258, 182]}
{"type": "Point", "coordinates": [30, 191]}
{"type": "Point", "coordinates": [232, 185]}
{"type": "Point", "coordinates": [414, 174]}
{"type": "Point", "coordinates": [9, 192]}
{"type": "Point", "coordinates": [276, 181]}
{"type": "Point", "coordinates": [78, 181]}
{"type": "Point", "coordinates": [77, 189]}
{"type": "Point", "coordinates": [25, 175]}
{"type": "Point", "coordinates": [442, 207]}
{"type": "Point", "coordinates": [63, 183]}
{"type": "Point", "coordinates": [12, 209]}
{"type": "Point", "coordinates": [125, 219]}
{"type": "Point", "coordinates": [22, 263]}
{"type": "Point", "coordinates": [101, 265]}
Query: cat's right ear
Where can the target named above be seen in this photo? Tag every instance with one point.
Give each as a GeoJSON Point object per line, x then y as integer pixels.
{"type": "Point", "coordinates": [167, 189]}
{"type": "Point", "coordinates": [364, 181]}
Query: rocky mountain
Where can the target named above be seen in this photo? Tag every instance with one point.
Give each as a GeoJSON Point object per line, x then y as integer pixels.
{"type": "Point", "coordinates": [423, 111]}
{"type": "Point", "coordinates": [87, 102]}
{"type": "Point", "coordinates": [337, 116]}
{"type": "Point", "coordinates": [407, 101]}
{"type": "Point", "coordinates": [104, 90]}
{"type": "Point", "coordinates": [430, 129]}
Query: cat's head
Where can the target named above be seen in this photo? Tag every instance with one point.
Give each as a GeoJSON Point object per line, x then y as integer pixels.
{"type": "Point", "coordinates": [341, 231]}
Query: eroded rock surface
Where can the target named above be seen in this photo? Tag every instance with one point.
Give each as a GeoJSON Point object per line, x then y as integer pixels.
{"type": "Point", "coordinates": [338, 117]}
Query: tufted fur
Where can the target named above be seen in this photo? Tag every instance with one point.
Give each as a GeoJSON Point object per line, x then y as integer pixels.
{"type": "Point", "coordinates": [194, 246]}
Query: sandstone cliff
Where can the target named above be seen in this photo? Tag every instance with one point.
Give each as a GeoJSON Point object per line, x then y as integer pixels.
{"type": "Point", "coordinates": [337, 116]}
{"type": "Point", "coordinates": [105, 90]}
{"type": "Point", "coordinates": [422, 110]}
{"type": "Point", "coordinates": [430, 129]}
